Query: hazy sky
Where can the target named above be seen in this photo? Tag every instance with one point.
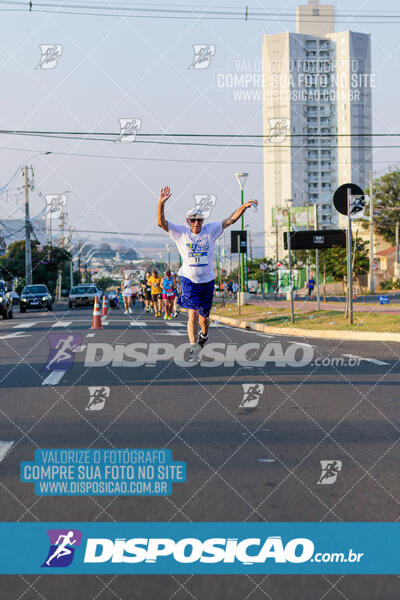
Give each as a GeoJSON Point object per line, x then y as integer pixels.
{"type": "Point", "coordinates": [113, 67]}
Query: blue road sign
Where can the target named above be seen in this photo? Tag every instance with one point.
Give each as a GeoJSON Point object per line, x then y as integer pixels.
{"type": "Point", "coordinates": [383, 300]}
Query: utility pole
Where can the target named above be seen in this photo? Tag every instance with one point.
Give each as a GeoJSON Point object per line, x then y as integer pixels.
{"type": "Point", "coordinates": [308, 251]}
{"type": "Point", "coordinates": [397, 241]}
{"type": "Point", "coordinates": [28, 249]}
{"type": "Point", "coordinates": [276, 255]}
{"type": "Point", "coordinates": [371, 236]}
{"type": "Point", "coordinates": [59, 271]}
{"type": "Point", "coordinates": [317, 261]}
{"type": "Point", "coordinates": [349, 259]}
{"type": "Point", "coordinates": [290, 270]}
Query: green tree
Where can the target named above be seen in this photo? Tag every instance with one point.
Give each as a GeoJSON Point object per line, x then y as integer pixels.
{"type": "Point", "coordinates": [335, 260]}
{"type": "Point", "coordinates": [386, 193]}
{"type": "Point", "coordinates": [105, 282]}
{"type": "Point", "coordinates": [46, 261]}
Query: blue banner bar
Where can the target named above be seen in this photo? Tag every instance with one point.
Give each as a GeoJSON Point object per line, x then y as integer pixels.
{"type": "Point", "coordinates": [204, 548]}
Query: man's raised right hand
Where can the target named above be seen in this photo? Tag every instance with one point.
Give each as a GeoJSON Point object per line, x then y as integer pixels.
{"type": "Point", "coordinates": [164, 194]}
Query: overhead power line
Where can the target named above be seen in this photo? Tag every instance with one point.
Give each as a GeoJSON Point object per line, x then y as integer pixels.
{"type": "Point", "coordinates": [209, 161]}
{"type": "Point", "coordinates": [113, 137]}
{"type": "Point", "coordinates": [184, 11]}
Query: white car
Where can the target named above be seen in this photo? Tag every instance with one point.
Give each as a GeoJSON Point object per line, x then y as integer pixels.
{"type": "Point", "coordinates": [83, 295]}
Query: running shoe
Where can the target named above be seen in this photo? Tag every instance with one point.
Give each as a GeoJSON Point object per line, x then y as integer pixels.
{"type": "Point", "coordinates": [202, 339]}
{"type": "Point", "coordinates": [169, 318]}
{"type": "Point", "coordinates": [165, 317]}
{"type": "Point", "coordinates": [194, 353]}
{"type": "Point", "coordinates": [125, 312]}
{"type": "Point", "coordinates": [130, 311]}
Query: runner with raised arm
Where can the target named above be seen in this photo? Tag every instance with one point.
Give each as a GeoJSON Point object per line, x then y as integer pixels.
{"type": "Point", "coordinates": [195, 242]}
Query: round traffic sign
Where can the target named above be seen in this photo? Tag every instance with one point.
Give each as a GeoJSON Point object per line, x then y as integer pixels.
{"type": "Point", "coordinates": [263, 266]}
{"type": "Point", "coordinates": [374, 266]}
{"type": "Point", "coordinates": [340, 196]}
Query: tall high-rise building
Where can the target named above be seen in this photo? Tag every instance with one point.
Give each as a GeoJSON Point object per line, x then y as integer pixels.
{"type": "Point", "coordinates": [317, 118]}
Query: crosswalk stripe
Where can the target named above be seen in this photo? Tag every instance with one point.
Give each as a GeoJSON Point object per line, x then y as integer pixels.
{"type": "Point", "coordinates": [173, 324]}
{"type": "Point", "coordinates": [62, 324]}
{"type": "Point", "coordinates": [138, 324]}
{"type": "Point", "coordinates": [25, 325]}
{"type": "Point", "coordinates": [53, 378]}
{"type": "Point", "coordinates": [4, 448]}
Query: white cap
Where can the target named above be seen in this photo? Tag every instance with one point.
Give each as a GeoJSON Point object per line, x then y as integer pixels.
{"type": "Point", "coordinates": [194, 212]}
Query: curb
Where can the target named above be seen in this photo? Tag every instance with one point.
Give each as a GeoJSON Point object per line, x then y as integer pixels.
{"type": "Point", "coordinates": [339, 334]}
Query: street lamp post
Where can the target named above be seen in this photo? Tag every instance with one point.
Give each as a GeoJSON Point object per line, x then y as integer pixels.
{"type": "Point", "coordinates": [242, 177]}
{"type": "Point", "coordinates": [288, 204]}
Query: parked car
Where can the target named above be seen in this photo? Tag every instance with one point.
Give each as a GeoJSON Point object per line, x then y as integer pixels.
{"type": "Point", "coordinates": [6, 302]}
{"type": "Point", "coordinates": [83, 295]}
{"type": "Point", "coordinates": [15, 297]}
{"type": "Point", "coordinates": [35, 296]}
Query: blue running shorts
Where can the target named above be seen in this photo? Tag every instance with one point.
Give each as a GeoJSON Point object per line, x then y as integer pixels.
{"type": "Point", "coordinates": [198, 296]}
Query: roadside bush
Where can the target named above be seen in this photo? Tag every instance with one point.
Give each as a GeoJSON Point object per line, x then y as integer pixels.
{"type": "Point", "coordinates": [387, 285]}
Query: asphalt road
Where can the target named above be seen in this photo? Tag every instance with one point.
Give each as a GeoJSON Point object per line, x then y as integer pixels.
{"type": "Point", "coordinates": [243, 464]}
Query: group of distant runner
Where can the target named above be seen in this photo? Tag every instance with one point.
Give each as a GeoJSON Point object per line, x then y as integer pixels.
{"type": "Point", "coordinates": [161, 293]}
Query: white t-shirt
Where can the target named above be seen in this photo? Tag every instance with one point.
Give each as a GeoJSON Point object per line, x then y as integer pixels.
{"type": "Point", "coordinates": [196, 250]}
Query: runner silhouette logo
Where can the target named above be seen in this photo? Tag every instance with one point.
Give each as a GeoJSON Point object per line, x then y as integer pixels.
{"type": "Point", "coordinates": [63, 543]}
{"type": "Point", "coordinates": [62, 347]}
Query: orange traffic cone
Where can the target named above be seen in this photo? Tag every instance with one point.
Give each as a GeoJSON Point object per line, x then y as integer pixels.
{"type": "Point", "coordinates": [96, 321]}
{"type": "Point", "coordinates": [104, 309]}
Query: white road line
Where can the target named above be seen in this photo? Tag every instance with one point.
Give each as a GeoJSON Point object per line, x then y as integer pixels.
{"type": "Point", "coordinates": [16, 334]}
{"type": "Point", "coordinates": [25, 325]}
{"type": "Point", "coordinates": [175, 324]}
{"type": "Point", "coordinates": [90, 334]}
{"type": "Point", "coordinates": [138, 324]}
{"type": "Point", "coordinates": [53, 378]}
{"type": "Point", "coordinates": [302, 344]}
{"type": "Point", "coordinates": [62, 324]}
{"type": "Point", "coordinates": [174, 333]}
{"type": "Point", "coordinates": [4, 448]}
{"type": "Point", "coordinates": [371, 360]}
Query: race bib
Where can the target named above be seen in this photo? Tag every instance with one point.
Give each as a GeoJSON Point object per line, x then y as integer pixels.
{"type": "Point", "coordinates": [198, 254]}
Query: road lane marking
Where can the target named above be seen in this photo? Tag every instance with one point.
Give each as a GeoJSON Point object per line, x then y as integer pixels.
{"type": "Point", "coordinates": [174, 333]}
{"type": "Point", "coordinates": [53, 378]}
{"type": "Point", "coordinates": [371, 360]}
{"type": "Point", "coordinates": [302, 344]}
{"type": "Point", "coordinates": [16, 334]}
{"type": "Point", "coordinates": [138, 324]}
{"type": "Point", "coordinates": [90, 334]}
{"type": "Point", "coordinates": [175, 324]}
{"type": "Point", "coordinates": [62, 324]}
{"type": "Point", "coordinates": [4, 448]}
{"type": "Point", "coordinates": [25, 325]}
